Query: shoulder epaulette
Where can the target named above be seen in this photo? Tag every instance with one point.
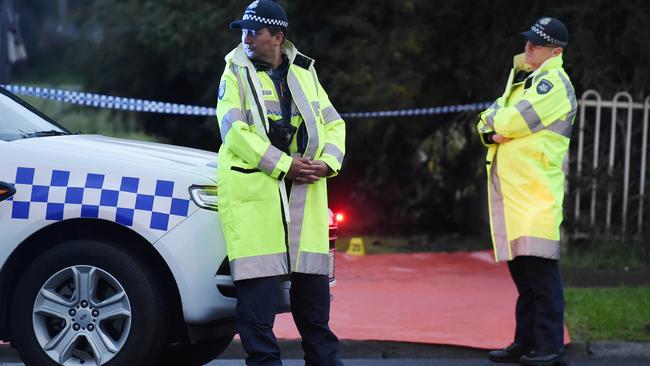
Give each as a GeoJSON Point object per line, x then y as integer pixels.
{"type": "Point", "coordinates": [302, 61]}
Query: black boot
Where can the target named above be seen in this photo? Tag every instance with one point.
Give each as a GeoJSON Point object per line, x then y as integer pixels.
{"type": "Point", "coordinates": [544, 358]}
{"type": "Point", "coordinates": [510, 354]}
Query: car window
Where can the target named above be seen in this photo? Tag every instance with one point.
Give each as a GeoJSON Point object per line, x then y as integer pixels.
{"type": "Point", "coordinates": [19, 120]}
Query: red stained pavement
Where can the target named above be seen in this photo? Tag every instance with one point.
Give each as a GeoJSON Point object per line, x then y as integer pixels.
{"type": "Point", "coordinates": [462, 299]}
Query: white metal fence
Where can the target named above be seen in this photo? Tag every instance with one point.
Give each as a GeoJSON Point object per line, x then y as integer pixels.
{"type": "Point", "coordinates": [610, 167]}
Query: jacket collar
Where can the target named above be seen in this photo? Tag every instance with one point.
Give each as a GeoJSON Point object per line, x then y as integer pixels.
{"type": "Point", "coordinates": [550, 64]}
{"type": "Point", "coordinates": [238, 55]}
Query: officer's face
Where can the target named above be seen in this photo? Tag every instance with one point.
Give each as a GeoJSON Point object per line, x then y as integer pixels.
{"type": "Point", "coordinates": [536, 55]}
{"type": "Point", "coordinates": [260, 44]}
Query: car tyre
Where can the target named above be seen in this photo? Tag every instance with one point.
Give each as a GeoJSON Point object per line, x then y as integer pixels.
{"type": "Point", "coordinates": [105, 278]}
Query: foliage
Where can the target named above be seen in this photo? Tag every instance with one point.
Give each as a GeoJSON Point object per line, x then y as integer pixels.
{"type": "Point", "coordinates": [49, 34]}
{"type": "Point", "coordinates": [608, 313]}
{"type": "Point", "coordinates": [606, 253]}
{"type": "Point", "coordinates": [402, 175]}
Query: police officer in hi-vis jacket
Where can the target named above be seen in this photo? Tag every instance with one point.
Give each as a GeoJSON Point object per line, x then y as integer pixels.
{"type": "Point", "coordinates": [527, 132]}
{"type": "Point", "coordinates": [282, 139]}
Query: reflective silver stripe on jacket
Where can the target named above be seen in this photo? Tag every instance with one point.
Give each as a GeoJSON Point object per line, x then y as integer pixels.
{"type": "Point", "coordinates": [490, 119]}
{"type": "Point", "coordinates": [538, 247]}
{"type": "Point", "coordinates": [273, 107]}
{"type": "Point", "coordinates": [259, 116]}
{"type": "Point", "coordinates": [563, 127]}
{"type": "Point", "coordinates": [307, 114]}
{"type": "Point", "coordinates": [299, 190]}
{"type": "Point", "coordinates": [270, 159]}
{"type": "Point", "coordinates": [314, 263]}
{"type": "Point", "coordinates": [228, 119]}
{"type": "Point", "coordinates": [571, 94]}
{"type": "Point", "coordinates": [297, 212]}
{"type": "Point", "coordinates": [242, 98]}
{"type": "Point", "coordinates": [531, 117]}
{"type": "Point", "coordinates": [313, 76]}
{"type": "Point", "coordinates": [259, 266]}
{"type": "Point", "coordinates": [497, 212]}
{"type": "Point", "coordinates": [330, 115]}
{"type": "Point", "coordinates": [315, 105]}
{"type": "Point", "coordinates": [333, 150]}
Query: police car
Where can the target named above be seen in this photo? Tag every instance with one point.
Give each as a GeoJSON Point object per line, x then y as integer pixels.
{"type": "Point", "coordinates": [111, 252]}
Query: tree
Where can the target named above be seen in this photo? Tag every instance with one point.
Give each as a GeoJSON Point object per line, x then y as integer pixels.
{"type": "Point", "coordinates": [416, 174]}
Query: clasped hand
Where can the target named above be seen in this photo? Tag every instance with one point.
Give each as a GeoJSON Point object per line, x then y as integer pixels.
{"type": "Point", "coordinates": [500, 139]}
{"type": "Point", "coordinates": [307, 171]}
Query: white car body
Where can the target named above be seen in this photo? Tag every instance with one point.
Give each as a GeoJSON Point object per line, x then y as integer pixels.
{"type": "Point", "coordinates": [191, 242]}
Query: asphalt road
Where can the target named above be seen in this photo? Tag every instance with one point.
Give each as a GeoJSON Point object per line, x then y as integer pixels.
{"type": "Point", "coordinates": [371, 353]}
{"type": "Point", "coordinates": [424, 362]}
{"type": "Point", "coordinates": [443, 362]}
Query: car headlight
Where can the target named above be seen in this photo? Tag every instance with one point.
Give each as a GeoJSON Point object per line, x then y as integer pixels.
{"type": "Point", "coordinates": [205, 196]}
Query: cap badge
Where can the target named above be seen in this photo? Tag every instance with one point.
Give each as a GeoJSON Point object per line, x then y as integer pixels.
{"type": "Point", "coordinates": [544, 21]}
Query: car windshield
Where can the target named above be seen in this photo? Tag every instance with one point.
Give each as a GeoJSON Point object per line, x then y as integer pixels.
{"type": "Point", "coordinates": [19, 120]}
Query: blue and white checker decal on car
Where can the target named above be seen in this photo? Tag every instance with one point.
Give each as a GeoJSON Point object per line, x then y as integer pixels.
{"type": "Point", "coordinates": [51, 195]}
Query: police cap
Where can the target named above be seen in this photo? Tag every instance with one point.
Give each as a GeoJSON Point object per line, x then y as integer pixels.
{"type": "Point", "coordinates": [548, 31]}
{"type": "Point", "coordinates": [260, 14]}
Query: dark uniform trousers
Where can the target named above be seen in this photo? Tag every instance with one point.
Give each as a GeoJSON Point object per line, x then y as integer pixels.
{"type": "Point", "coordinates": [310, 306]}
{"type": "Point", "coordinates": [540, 305]}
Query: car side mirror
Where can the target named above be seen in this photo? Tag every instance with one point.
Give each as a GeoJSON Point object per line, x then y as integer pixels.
{"type": "Point", "coordinates": [6, 191]}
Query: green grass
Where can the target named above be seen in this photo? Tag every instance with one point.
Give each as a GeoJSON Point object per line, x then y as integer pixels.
{"type": "Point", "coordinates": [607, 254]}
{"type": "Point", "coordinates": [601, 260]}
{"type": "Point", "coordinates": [619, 313]}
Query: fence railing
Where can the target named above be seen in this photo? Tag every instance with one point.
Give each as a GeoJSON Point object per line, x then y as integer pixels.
{"type": "Point", "coordinates": [601, 189]}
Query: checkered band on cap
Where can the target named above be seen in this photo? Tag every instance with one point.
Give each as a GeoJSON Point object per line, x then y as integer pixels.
{"type": "Point", "coordinates": [268, 21]}
{"type": "Point", "coordinates": [540, 32]}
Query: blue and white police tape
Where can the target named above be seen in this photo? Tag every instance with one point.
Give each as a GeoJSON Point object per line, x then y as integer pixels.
{"type": "Point", "coordinates": [110, 102]}
{"type": "Point", "coordinates": [150, 106]}
{"type": "Point", "coordinates": [419, 111]}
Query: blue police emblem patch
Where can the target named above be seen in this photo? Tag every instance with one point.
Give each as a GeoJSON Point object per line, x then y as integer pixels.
{"type": "Point", "coordinates": [544, 86]}
{"type": "Point", "coordinates": [222, 89]}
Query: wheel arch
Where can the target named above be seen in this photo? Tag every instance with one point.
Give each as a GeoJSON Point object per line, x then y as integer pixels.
{"type": "Point", "coordinates": [95, 229]}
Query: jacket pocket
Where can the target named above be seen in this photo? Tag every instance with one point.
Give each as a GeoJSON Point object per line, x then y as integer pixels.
{"type": "Point", "coordinates": [244, 183]}
{"type": "Point", "coordinates": [244, 170]}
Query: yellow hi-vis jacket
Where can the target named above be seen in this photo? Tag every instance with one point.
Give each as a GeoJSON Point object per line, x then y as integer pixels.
{"type": "Point", "coordinates": [526, 175]}
{"type": "Point", "coordinates": [267, 232]}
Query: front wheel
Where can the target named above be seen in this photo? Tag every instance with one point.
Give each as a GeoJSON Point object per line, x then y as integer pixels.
{"type": "Point", "coordinates": [88, 303]}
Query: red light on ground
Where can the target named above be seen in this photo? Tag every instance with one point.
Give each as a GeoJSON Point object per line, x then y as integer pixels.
{"type": "Point", "coordinates": [340, 217]}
